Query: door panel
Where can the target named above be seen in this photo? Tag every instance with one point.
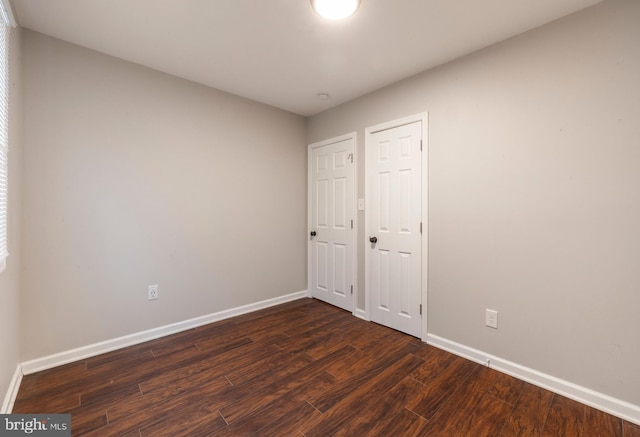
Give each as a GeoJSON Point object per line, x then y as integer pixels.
{"type": "Point", "coordinates": [321, 261]}
{"type": "Point", "coordinates": [394, 268]}
{"type": "Point", "coordinates": [332, 200]}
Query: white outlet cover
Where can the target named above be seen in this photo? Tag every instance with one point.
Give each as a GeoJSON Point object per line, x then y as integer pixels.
{"type": "Point", "coordinates": [491, 318]}
{"type": "Point", "coordinates": [152, 292]}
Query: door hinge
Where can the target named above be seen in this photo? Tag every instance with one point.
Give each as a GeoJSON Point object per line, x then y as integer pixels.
{"type": "Point", "coordinates": [420, 309]}
{"type": "Point", "coordinates": [421, 145]}
{"type": "Point", "coordinates": [421, 227]}
{"type": "Point", "coordinates": [352, 289]}
{"type": "Point", "coordinates": [351, 224]}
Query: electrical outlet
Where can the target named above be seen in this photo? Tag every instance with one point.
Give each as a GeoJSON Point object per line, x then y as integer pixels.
{"type": "Point", "coordinates": [152, 292]}
{"type": "Point", "coordinates": [491, 318]}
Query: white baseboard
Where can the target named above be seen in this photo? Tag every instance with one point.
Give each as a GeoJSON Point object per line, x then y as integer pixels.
{"type": "Point", "coordinates": [12, 392]}
{"type": "Point", "coordinates": [608, 404]}
{"type": "Point", "coordinates": [361, 314]}
{"type": "Point", "coordinates": [91, 350]}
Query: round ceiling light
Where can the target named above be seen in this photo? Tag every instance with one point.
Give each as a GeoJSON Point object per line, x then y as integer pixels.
{"type": "Point", "coordinates": [335, 9]}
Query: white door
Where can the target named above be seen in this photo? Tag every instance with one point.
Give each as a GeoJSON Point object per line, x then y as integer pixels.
{"type": "Point", "coordinates": [394, 215]}
{"type": "Point", "coordinates": [331, 215]}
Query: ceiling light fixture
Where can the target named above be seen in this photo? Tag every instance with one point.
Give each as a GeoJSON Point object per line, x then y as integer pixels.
{"type": "Point", "coordinates": [335, 9]}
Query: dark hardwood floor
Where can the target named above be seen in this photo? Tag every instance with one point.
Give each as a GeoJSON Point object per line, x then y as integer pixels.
{"type": "Point", "coordinates": [301, 369]}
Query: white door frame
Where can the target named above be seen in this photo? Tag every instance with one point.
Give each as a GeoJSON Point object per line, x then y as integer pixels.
{"type": "Point", "coordinates": [368, 132]}
{"type": "Point", "coordinates": [354, 213]}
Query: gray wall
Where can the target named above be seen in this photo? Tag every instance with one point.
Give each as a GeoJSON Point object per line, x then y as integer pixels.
{"type": "Point", "coordinates": [534, 194]}
{"type": "Point", "coordinates": [133, 177]}
{"type": "Point", "coordinates": [10, 277]}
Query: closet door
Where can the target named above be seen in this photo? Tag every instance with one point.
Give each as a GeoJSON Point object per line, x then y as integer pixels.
{"type": "Point", "coordinates": [331, 210]}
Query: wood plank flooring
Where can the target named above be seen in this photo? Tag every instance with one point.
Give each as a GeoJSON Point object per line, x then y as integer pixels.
{"type": "Point", "coordinates": [303, 368]}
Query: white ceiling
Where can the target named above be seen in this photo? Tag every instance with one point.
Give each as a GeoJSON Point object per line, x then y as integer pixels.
{"type": "Point", "coordinates": [278, 51]}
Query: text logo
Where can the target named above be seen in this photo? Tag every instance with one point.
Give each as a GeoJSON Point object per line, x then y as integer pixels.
{"type": "Point", "coordinates": [40, 425]}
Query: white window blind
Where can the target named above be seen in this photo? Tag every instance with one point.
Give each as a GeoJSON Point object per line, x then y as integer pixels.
{"type": "Point", "coordinates": [4, 136]}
